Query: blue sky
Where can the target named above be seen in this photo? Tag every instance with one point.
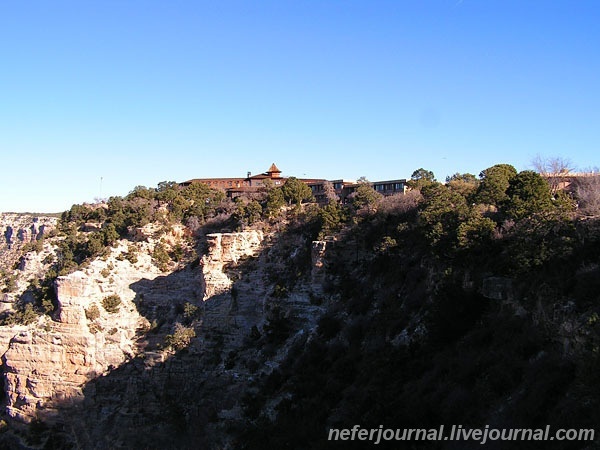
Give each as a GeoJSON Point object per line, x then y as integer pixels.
{"type": "Point", "coordinates": [97, 97]}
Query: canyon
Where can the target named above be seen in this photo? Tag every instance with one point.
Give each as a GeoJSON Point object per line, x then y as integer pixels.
{"type": "Point", "coordinates": [227, 336]}
{"type": "Point", "coordinates": [60, 364]}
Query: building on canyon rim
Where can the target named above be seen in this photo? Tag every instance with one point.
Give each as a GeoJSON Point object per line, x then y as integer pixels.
{"type": "Point", "coordinates": [235, 187]}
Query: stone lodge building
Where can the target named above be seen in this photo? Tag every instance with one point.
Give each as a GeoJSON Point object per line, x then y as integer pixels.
{"type": "Point", "coordinates": [235, 187]}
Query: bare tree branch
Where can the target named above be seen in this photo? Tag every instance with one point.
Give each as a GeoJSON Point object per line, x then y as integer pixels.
{"type": "Point", "coordinates": [554, 169]}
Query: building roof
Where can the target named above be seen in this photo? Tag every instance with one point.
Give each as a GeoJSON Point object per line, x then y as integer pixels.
{"type": "Point", "coordinates": [211, 180]}
{"type": "Point", "coordinates": [273, 169]}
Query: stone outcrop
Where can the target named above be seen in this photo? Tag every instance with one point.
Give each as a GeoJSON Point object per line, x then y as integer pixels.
{"type": "Point", "coordinates": [226, 249]}
{"type": "Point", "coordinates": [81, 358]}
{"type": "Point", "coordinates": [22, 228]}
{"type": "Point", "coordinates": [95, 370]}
{"type": "Point", "coordinates": [47, 364]}
{"type": "Point", "coordinates": [18, 266]}
{"type": "Point", "coordinates": [18, 230]}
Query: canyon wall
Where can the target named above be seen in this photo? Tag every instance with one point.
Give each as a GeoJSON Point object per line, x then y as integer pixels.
{"type": "Point", "coordinates": [224, 250]}
{"type": "Point", "coordinates": [47, 364]}
{"type": "Point", "coordinates": [20, 229]}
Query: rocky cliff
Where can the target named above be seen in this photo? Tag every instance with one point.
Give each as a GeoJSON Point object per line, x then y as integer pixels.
{"type": "Point", "coordinates": [224, 250]}
{"type": "Point", "coordinates": [24, 254]}
{"type": "Point", "coordinates": [94, 367]}
{"type": "Point", "coordinates": [47, 363]}
{"type": "Point", "coordinates": [19, 228]}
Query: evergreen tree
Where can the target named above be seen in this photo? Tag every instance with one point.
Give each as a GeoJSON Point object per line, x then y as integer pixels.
{"type": "Point", "coordinates": [494, 183]}
{"type": "Point", "coordinates": [528, 193]}
{"type": "Point", "coordinates": [295, 191]}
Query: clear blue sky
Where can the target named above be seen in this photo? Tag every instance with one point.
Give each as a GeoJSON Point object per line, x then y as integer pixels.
{"type": "Point", "coordinates": [137, 92]}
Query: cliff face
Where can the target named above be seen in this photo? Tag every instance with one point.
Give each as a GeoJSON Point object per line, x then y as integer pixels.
{"type": "Point", "coordinates": [22, 228]}
{"type": "Point", "coordinates": [47, 363]}
{"type": "Point", "coordinates": [17, 231]}
{"type": "Point", "coordinates": [268, 340]}
{"type": "Point", "coordinates": [226, 249]}
{"type": "Point", "coordinates": [73, 366]}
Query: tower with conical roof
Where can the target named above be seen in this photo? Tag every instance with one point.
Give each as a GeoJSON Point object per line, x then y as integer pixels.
{"type": "Point", "coordinates": [274, 172]}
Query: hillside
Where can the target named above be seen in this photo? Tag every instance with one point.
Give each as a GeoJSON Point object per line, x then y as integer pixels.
{"type": "Point", "coordinates": [177, 318]}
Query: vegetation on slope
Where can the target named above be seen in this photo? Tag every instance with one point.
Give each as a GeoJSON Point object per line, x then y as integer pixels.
{"type": "Point", "coordinates": [410, 337]}
{"type": "Point", "coordinates": [410, 341]}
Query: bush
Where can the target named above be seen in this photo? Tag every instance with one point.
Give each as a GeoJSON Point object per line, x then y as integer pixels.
{"type": "Point", "coordinates": [25, 315]}
{"type": "Point", "coordinates": [295, 191]}
{"type": "Point", "coordinates": [178, 253]}
{"type": "Point", "coordinates": [181, 337]}
{"type": "Point", "coordinates": [28, 315]}
{"type": "Point", "coordinates": [111, 303]}
{"type": "Point", "coordinates": [400, 204]}
{"type": "Point", "coordinates": [332, 218]}
{"type": "Point", "coordinates": [161, 257]}
{"type": "Point", "coordinates": [365, 197]}
{"type": "Point", "coordinates": [189, 310]}
{"type": "Point", "coordinates": [43, 291]}
{"type": "Point", "coordinates": [93, 312]}
{"type": "Point", "coordinates": [275, 201]}
{"type": "Point", "coordinates": [34, 246]}
{"type": "Point", "coordinates": [131, 254]}
{"type": "Point", "coordinates": [10, 282]}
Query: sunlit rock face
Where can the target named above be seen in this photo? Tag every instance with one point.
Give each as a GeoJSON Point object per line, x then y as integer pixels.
{"type": "Point", "coordinates": [96, 370]}
{"type": "Point", "coordinates": [47, 363]}
{"type": "Point", "coordinates": [226, 249]}
{"type": "Point", "coordinates": [22, 228]}
{"type": "Point", "coordinates": [18, 264]}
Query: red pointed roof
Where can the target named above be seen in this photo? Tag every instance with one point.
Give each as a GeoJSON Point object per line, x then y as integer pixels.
{"type": "Point", "coordinates": [273, 169]}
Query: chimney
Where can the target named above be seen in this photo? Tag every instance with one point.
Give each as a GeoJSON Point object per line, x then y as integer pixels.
{"type": "Point", "coordinates": [249, 173]}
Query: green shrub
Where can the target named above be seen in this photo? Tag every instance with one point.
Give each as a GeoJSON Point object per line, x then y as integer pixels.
{"type": "Point", "coordinates": [189, 310]}
{"type": "Point", "coordinates": [43, 291]}
{"type": "Point", "coordinates": [161, 257]}
{"type": "Point", "coordinates": [111, 303]}
{"type": "Point", "coordinates": [178, 253]}
{"type": "Point", "coordinates": [93, 312]}
{"type": "Point", "coordinates": [130, 255]}
{"type": "Point", "coordinates": [180, 338]}
{"type": "Point", "coordinates": [10, 282]}
{"type": "Point", "coordinates": [95, 328]}
{"type": "Point", "coordinates": [28, 315]}
{"type": "Point", "coordinates": [34, 246]}
{"type": "Point", "coordinates": [23, 316]}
